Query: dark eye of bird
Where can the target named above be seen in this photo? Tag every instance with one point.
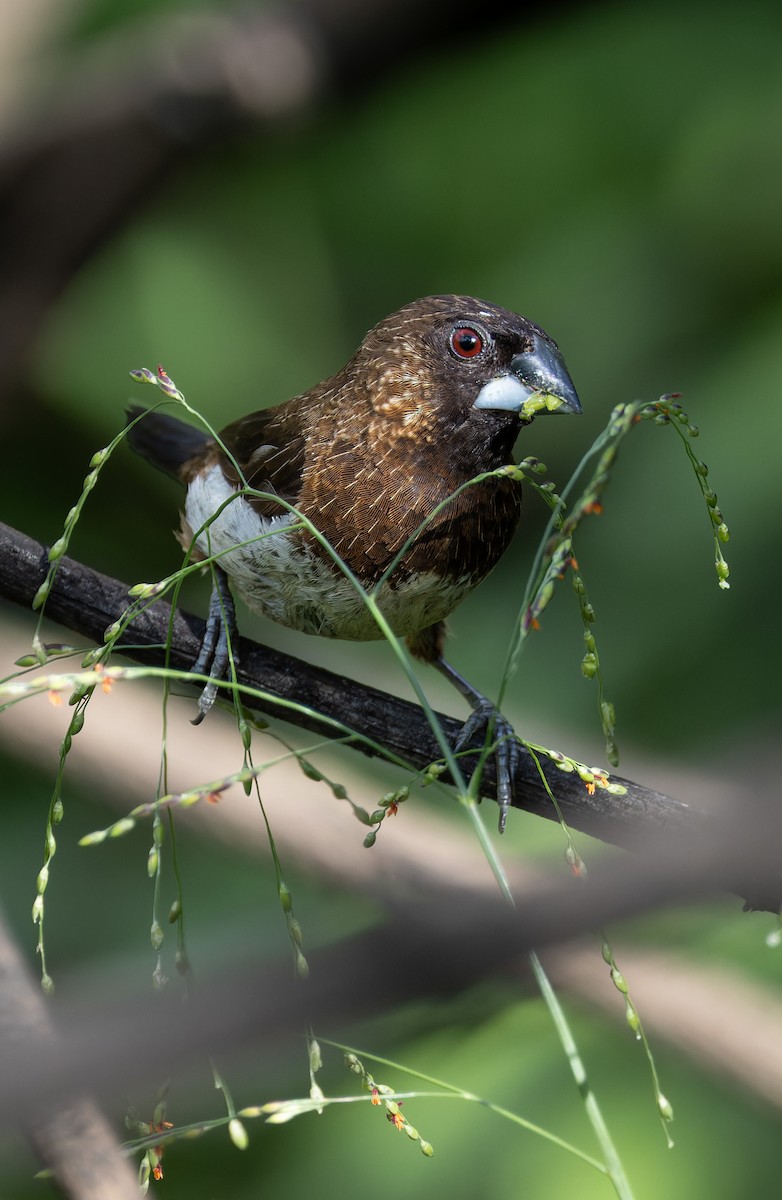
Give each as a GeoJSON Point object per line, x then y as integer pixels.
{"type": "Point", "coordinates": [466, 342]}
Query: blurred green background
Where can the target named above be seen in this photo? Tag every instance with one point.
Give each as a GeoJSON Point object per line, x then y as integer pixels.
{"type": "Point", "coordinates": [615, 173]}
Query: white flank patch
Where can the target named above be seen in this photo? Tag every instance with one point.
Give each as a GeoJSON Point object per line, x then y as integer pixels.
{"type": "Point", "coordinates": [282, 579]}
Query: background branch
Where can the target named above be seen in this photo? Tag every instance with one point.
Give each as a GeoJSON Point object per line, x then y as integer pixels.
{"type": "Point", "coordinates": [69, 1131]}
{"type": "Point", "coordinates": [79, 162]}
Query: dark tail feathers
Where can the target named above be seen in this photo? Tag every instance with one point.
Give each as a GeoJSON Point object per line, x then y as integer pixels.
{"type": "Point", "coordinates": [163, 440]}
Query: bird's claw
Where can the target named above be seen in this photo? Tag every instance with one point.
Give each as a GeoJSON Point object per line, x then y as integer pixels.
{"type": "Point", "coordinates": [214, 654]}
{"type": "Point", "coordinates": [485, 717]}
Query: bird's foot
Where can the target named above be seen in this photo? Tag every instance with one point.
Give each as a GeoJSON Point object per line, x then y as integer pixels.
{"type": "Point", "coordinates": [486, 719]}
{"type": "Point", "coordinates": [220, 633]}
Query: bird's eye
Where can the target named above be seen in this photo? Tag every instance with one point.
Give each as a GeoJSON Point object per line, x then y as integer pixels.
{"type": "Point", "coordinates": [466, 342]}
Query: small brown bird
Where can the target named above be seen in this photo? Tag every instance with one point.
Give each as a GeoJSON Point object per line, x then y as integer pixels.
{"type": "Point", "coordinates": [434, 396]}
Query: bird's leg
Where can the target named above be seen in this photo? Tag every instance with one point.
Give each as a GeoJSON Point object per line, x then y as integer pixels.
{"type": "Point", "coordinates": [213, 656]}
{"type": "Point", "coordinates": [428, 644]}
{"type": "Point", "coordinates": [487, 717]}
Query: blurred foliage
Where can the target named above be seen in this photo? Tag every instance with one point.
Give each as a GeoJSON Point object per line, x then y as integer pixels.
{"type": "Point", "coordinates": [614, 172]}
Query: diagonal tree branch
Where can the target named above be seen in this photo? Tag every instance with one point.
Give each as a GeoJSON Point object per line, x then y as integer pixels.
{"type": "Point", "coordinates": [87, 602]}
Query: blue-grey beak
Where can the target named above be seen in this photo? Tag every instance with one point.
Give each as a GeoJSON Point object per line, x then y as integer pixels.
{"type": "Point", "coordinates": [537, 382]}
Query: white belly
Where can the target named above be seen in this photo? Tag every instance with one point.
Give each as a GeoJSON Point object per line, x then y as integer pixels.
{"type": "Point", "coordinates": [281, 578]}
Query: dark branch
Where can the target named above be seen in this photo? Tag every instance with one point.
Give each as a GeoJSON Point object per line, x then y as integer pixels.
{"type": "Point", "coordinates": [87, 602]}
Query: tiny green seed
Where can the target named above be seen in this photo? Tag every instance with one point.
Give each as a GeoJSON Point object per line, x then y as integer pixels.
{"type": "Point", "coordinates": [619, 981]}
{"type": "Point", "coordinates": [302, 966]}
{"type": "Point", "coordinates": [41, 594]}
{"type": "Point", "coordinates": [315, 1057]}
{"type": "Point", "coordinates": [27, 660]}
{"type": "Point", "coordinates": [543, 596]}
{"type": "Point", "coordinates": [94, 839]}
{"type": "Point", "coordinates": [238, 1134]}
{"type": "Point", "coordinates": [121, 827]}
{"type": "Point", "coordinates": [589, 666]}
{"type": "Point", "coordinates": [632, 1018]}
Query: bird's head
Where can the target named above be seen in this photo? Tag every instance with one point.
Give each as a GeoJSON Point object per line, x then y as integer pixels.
{"type": "Point", "coordinates": [462, 357]}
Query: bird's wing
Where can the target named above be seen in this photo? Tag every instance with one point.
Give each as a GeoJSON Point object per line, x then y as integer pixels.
{"type": "Point", "coordinates": [268, 447]}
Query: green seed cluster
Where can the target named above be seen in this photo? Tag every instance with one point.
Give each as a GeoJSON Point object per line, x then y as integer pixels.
{"type": "Point", "coordinates": [381, 1094]}
{"type": "Point", "coordinates": [668, 411]}
{"type": "Point", "coordinates": [663, 1104]}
